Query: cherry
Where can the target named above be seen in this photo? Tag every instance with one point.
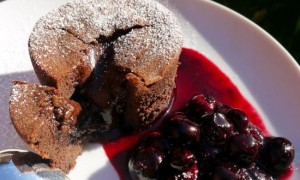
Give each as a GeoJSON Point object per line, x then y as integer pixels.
{"type": "Point", "coordinates": [183, 132]}
{"type": "Point", "coordinates": [170, 173]}
{"type": "Point", "coordinates": [145, 162]}
{"type": "Point", "coordinates": [216, 128]}
{"type": "Point", "coordinates": [155, 140]}
{"type": "Point", "coordinates": [191, 174]}
{"type": "Point", "coordinates": [208, 155]}
{"type": "Point", "coordinates": [258, 173]}
{"type": "Point", "coordinates": [178, 115]}
{"type": "Point", "coordinates": [256, 133]}
{"type": "Point", "coordinates": [243, 148]}
{"type": "Point", "coordinates": [200, 105]}
{"type": "Point", "coordinates": [229, 171]}
{"type": "Point", "coordinates": [222, 108]}
{"type": "Point", "coordinates": [276, 155]}
{"type": "Point", "coordinates": [182, 159]}
{"type": "Point", "coordinates": [238, 118]}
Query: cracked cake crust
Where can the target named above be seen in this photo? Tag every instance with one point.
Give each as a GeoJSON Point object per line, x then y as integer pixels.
{"type": "Point", "coordinates": [66, 37]}
{"type": "Point", "coordinates": [96, 45]}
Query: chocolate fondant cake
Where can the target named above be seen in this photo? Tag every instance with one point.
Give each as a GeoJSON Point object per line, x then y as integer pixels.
{"type": "Point", "coordinates": [115, 53]}
{"type": "Point", "coordinates": [101, 63]}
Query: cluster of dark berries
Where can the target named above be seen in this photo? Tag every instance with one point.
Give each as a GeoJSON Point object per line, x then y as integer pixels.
{"type": "Point", "coordinates": [209, 140]}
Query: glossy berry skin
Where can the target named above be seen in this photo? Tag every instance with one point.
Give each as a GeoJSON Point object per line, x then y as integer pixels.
{"type": "Point", "coordinates": [155, 140]}
{"type": "Point", "coordinates": [200, 105]}
{"type": "Point", "coordinates": [277, 155]}
{"type": "Point", "coordinates": [222, 108]}
{"type": "Point", "coordinates": [216, 128]}
{"type": "Point", "coordinates": [170, 173]}
{"type": "Point", "coordinates": [229, 171]}
{"type": "Point", "coordinates": [244, 149]}
{"type": "Point", "coordinates": [145, 163]}
{"type": "Point", "coordinates": [182, 159]}
{"type": "Point", "coordinates": [190, 174]}
{"type": "Point", "coordinates": [258, 173]}
{"type": "Point", "coordinates": [182, 132]}
{"type": "Point", "coordinates": [179, 116]}
{"type": "Point", "coordinates": [208, 155]}
{"type": "Point", "coordinates": [238, 118]}
{"type": "Point", "coordinates": [256, 133]}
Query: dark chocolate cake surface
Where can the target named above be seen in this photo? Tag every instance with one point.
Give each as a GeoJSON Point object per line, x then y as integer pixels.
{"type": "Point", "coordinates": [95, 45]}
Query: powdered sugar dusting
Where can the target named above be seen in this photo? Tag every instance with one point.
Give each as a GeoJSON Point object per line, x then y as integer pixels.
{"type": "Point", "coordinates": [17, 99]}
{"type": "Point", "coordinates": [15, 95]}
{"type": "Point", "coordinates": [93, 61]}
{"type": "Point", "coordinates": [152, 46]}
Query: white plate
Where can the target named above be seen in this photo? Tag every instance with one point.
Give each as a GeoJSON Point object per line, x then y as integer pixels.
{"type": "Point", "coordinates": [263, 70]}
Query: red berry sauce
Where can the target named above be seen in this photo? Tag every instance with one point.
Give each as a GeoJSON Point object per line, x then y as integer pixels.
{"type": "Point", "coordinates": [196, 75]}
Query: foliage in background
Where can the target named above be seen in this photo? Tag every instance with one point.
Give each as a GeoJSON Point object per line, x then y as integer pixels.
{"type": "Point", "coordinates": [281, 18]}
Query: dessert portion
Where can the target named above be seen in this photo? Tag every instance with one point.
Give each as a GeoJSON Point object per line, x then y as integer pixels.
{"type": "Point", "coordinates": [109, 64]}
{"type": "Point", "coordinates": [47, 122]}
{"type": "Point", "coordinates": [103, 64]}
{"type": "Point", "coordinates": [121, 56]}
{"type": "Point", "coordinates": [209, 140]}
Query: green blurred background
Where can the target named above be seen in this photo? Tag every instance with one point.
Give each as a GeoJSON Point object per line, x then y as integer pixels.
{"type": "Point", "coordinates": [280, 18]}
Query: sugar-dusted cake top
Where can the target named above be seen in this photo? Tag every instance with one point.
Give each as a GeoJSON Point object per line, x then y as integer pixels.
{"type": "Point", "coordinates": [144, 35]}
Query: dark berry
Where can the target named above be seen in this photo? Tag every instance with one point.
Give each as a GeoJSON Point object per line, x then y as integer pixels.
{"type": "Point", "coordinates": [229, 171]}
{"type": "Point", "coordinates": [178, 115]}
{"type": "Point", "coordinates": [276, 155]}
{"type": "Point", "coordinates": [144, 163]}
{"type": "Point", "coordinates": [216, 128]}
{"type": "Point", "coordinates": [238, 118]}
{"type": "Point", "coordinates": [190, 174]}
{"type": "Point", "coordinates": [243, 149]}
{"type": "Point", "coordinates": [221, 108]}
{"type": "Point", "coordinates": [172, 174]}
{"type": "Point", "coordinates": [258, 173]}
{"type": "Point", "coordinates": [256, 133]}
{"type": "Point", "coordinates": [182, 159]}
{"type": "Point", "coordinates": [182, 132]}
{"type": "Point", "coordinates": [208, 155]}
{"type": "Point", "coordinates": [155, 140]}
{"type": "Point", "coordinates": [200, 105]}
